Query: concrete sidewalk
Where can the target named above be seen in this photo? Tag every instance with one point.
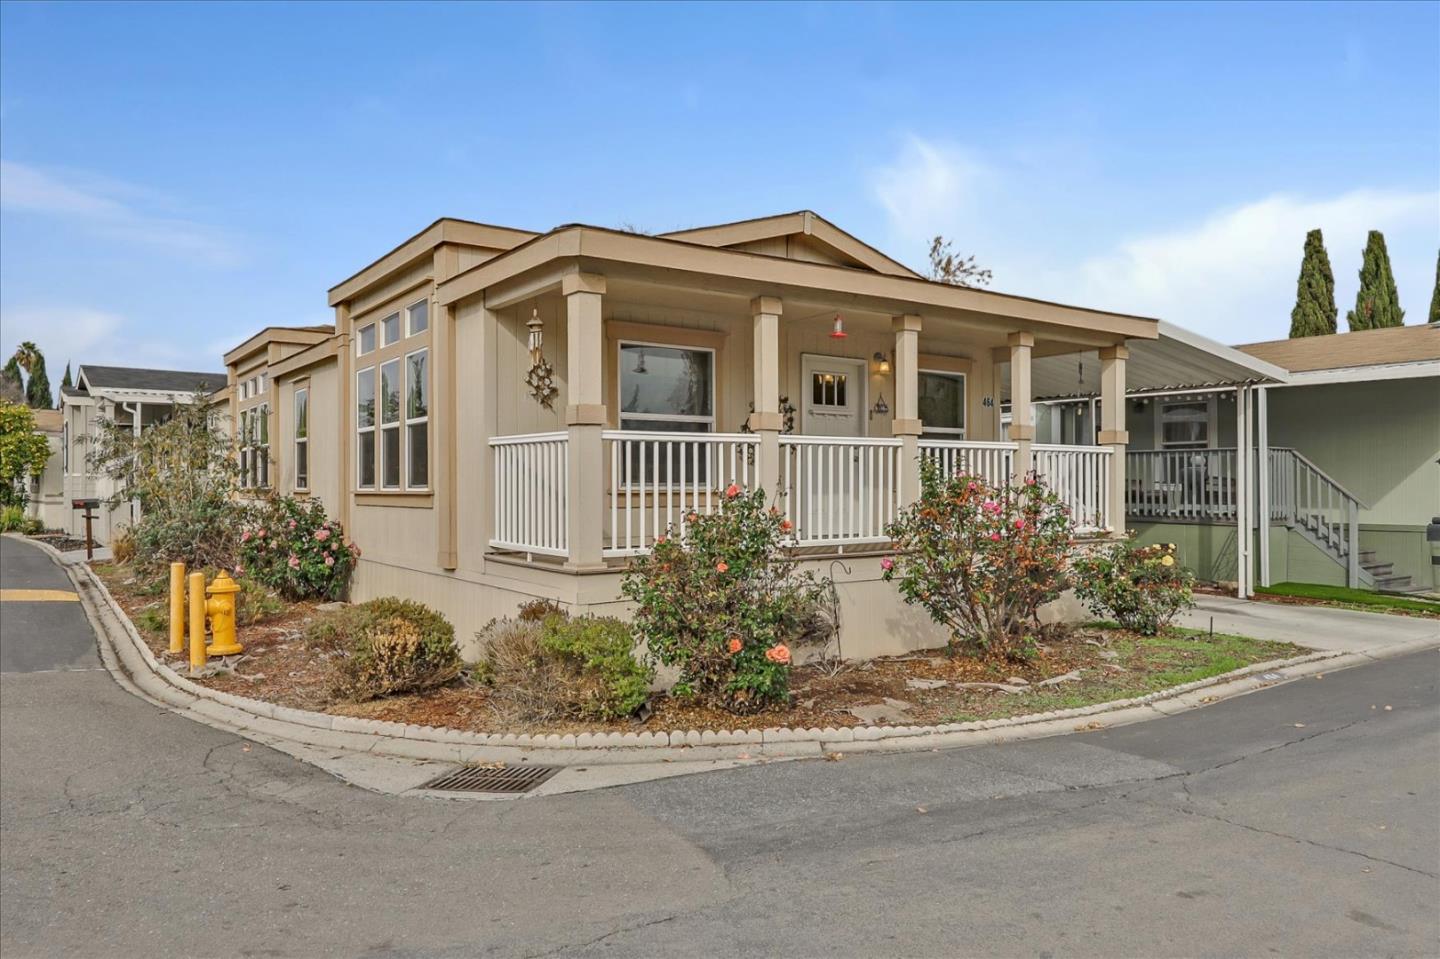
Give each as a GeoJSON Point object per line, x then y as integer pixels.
{"type": "Point", "coordinates": [1319, 627]}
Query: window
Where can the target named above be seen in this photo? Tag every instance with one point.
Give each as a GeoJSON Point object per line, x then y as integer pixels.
{"type": "Point", "coordinates": [417, 420]}
{"type": "Point", "coordinates": [365, 428]}
{"type": "Point", "coordinates": [1185, 426]}
{"type": "Point", "coordinates": [302, 438]}
{"type": "Point", "coordinates": [667, 388]}
{"type": "Point", "coordinates": [390, 329]}
{"type": "Point", "coordinates": [828, 389]}
{"type": "Point", "coordinates": [418, 318]}
{"type": "Point", "coordinates": [255, 447]}
{"type": "Point", "coordinates": [365, 340]}
{"type": "Point", "coordinates": [390, 425]}
{"type": "Point", "coordinates": [942, 404]}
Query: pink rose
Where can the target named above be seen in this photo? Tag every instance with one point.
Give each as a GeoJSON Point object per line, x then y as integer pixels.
{"type": "Point", "coordinates": [1019, 523]}
{"type": "Point", "coordinates": [322, 534]}
{"type": "Point", "coordinates": [292, 524]}
{"type": "Point", "coordinates": [261, 534]}
{"type": "Point", "coordinates": [245, 536]}
{"type": "Point", "coordinates": [732, 491]}
{"type": "Point", "coordinates": [887, 564]}
{"type": "Point", "coordinates": [329, 560]}
{"type": "Point", "coordinates": [294, 561]}
{"type": "Point", "coordinates": [239, 570]}
{"type": "Point", "coordinates": [995, 537]}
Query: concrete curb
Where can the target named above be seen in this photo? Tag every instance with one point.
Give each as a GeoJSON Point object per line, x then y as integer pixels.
{"type": "Point", "coordinates": [128, 657]}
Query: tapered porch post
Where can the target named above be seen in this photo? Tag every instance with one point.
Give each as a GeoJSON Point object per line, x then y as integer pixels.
{"type": "Point", "coordinates": [1112, 429]}
{"type": "Point", "coordinates": [907, 424]}
{"type": "Point", "coordinates": [584, 418]}
{"type": "Point", "coordinates": [1022, 413]}
{"type": "Point", "coordinates": [766, 422]}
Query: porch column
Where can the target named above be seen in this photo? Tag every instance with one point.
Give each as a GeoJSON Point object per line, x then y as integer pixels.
{"type": "Point", "coordinates": [1112, 429]}
{"type": "Point", "coordinates": [584, 417]}
{"type": "Point", "coordinates": [1242, 492]}
{"type": "Point", "coordinates": [1022, 414]}
{"type": "Point", "coordinates": [1262, 475]}
{"type": "Point", "coordinates": [906, 424]}
{"type": "Point", "coordinates": [766, 422]}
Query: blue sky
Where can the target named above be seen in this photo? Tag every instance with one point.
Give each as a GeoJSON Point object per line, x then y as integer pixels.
{"type": "Point", "coordinates": [176, 177]}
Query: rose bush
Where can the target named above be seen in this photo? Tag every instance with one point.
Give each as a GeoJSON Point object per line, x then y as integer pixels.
{"type": "Point", "coordinates": [1142, 587]}
{"type": "Point", "coordinates": [981, 559]}
{"type": "Point", "coordinates": [721, 600]}
{"type": "Point", "coordinates": [290, 546]}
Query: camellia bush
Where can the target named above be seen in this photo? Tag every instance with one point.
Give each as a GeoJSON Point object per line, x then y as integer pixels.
{"type": "Point", "coordinates": [721, 600]}
{"type": "Point", "coordinates": [1142, 587]}
{"type": "Point", "coordinates": [290, 546]}
{"type": "Point", "coordinates": [981, 559]}
{"type": "Point", "coordinates": [23, 452]}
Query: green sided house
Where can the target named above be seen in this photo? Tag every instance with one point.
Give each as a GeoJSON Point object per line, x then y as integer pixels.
{"type": "Point", "coordinates": [1344, 461]}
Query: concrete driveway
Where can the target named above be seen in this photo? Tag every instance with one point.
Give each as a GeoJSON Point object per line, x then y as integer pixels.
{"type": "Point", "coordinates": [1302, 821]}
{"type": "Point", "coordinates": [1319, 627]}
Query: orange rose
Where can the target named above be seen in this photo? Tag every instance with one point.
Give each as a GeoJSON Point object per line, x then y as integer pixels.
{"type": "Point", "coordinates": [721, 566]}
{"type": "Point", "coordinates": [732, 491]}
{"type": "Point", "coordinates": [734, 645]}
{"type": "Point", "coordinates": [779, 653]}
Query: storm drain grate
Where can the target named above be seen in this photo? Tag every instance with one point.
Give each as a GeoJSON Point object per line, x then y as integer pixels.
{"type": "Point", "coordinates": [492, 778]}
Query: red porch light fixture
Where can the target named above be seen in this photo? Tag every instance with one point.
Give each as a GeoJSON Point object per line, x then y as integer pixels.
{"type": "Point", "coordinates": [838, 331]}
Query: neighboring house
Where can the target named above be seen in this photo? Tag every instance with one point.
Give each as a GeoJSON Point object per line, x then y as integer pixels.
{"type": "Point", "coordinates": [46, 492]}
{"type": "Point", "coordinates": [520, 413]}
{"type": "Point", "coordinates": [131, 398]}
{"type": "Point", "coordinates": [281, 389]}
{"type": "Point", "coordinates": [1352, 439]}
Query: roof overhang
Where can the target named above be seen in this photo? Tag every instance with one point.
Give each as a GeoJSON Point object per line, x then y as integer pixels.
{"type": "Point", "coordinates": [312, 356]}
{"type": "Point", "coordinates": [801, 223]}
{"type": "Point", "coordinates": [277, 334]}
{"type": "Point", "coordinates": [444, 230]}
{"type": "Point", "coordinates": [536, 267]}
{"type": "Point", "coordinates": [1178, 360]}
{"type": "Point", "coordinates": [1366, 374]}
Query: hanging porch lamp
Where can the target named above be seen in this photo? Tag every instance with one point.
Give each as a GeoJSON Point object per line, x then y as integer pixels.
{"type": "Point", "coordinates": [837, 332]}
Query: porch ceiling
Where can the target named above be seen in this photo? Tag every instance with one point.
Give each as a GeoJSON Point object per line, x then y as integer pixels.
{"type": "Point", "coordinates": [1178, 360]}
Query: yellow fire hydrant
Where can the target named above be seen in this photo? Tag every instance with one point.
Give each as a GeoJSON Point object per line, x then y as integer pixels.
{"type": "Point", "coordinates": [177, 608]}
{"type": "Point", "coordinates": [220, 607]}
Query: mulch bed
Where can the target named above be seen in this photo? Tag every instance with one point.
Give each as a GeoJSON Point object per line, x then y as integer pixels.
{"type": "Point", "coordinates": [64, 542]}
{"type": "Point", "coordinates": [278, 666]}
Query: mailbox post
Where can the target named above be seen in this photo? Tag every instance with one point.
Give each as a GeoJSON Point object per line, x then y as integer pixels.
{"type": "Point", "coordinates": [89, 506]}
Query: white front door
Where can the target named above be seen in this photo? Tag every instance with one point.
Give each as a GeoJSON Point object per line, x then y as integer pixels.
{"type": "Point", "coordinates": [832, 398]}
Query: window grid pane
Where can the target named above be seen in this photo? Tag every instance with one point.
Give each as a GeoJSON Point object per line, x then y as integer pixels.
{"type": "Point", "coordinates": [419, 317]}
{"type": "Point", "coordinates": [390, 329]}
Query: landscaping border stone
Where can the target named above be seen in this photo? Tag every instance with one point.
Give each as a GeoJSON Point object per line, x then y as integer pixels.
{"type": "Point", "coordinates": [130, 659]}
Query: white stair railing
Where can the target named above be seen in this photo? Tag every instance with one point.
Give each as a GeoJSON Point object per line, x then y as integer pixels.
{"type": "Point", "coordinates": [531, 495]}
{"type": "Point", "coordinates": [657, 479]}
{"type": "Point", "coordinates": [840, 490]}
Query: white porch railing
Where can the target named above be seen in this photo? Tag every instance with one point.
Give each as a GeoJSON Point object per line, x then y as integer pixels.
{"type": "Point", "coordinates": [1200, 484]}
{"type": "Point", "coordinates": [994, 461]}
{"type": "Point", "coordinates": [531, 496]}
{"type": "Point", "coordinates": [839, 490]}
{"type": "Point", "coordinates": [1080, 476]}
{"type": "Point", "coordinates": [657, 479]}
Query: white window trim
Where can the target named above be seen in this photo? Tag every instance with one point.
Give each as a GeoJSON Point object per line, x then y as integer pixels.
{"type": "Point", "coordinates": [361, 430]}
{"type": "Point", "coordinates": [406, 422]}
{"type": "Point", "coordinates": [664, 417]}
{"type": "Point", "coordinates": [1211, 424]}
{"type": "Point", "coordinates": [399, 329]}
{"type": "Point", "coordinates": [409, 315]}
{"type": "Point", "coordinates": [398, 425]}
{"type": "Point", "coordinates": [951, 431]}
{"type": "Point", "coordinates": [360, 339]}
{"type": "Point", "coordinates": [302, 440]}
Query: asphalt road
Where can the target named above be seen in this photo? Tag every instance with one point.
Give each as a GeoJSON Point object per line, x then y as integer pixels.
{"type": "Point", "coordinates": [1300, 821]}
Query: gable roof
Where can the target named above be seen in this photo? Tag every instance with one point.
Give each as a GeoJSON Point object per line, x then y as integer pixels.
{"type": "Point", "coordinates": [1337, 351]}
{"type": "Point", "coordinates": [806, 223]}
{"type": "Point", "coordinates": [134, 378]}
{"type": "Point", "coordinates": [444, 230]}
{"type": "Point", "coordinates": [304, 335]}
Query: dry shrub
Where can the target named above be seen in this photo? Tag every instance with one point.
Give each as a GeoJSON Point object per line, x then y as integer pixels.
{"type": "Point", "coordinates": [554, 667]}
{"type": "Point", "coordinates": [387, 647]}
{"type": "Point", "coordinates": [122, 547]}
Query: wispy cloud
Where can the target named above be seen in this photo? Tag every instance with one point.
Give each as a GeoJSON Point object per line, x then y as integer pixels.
{"type": "Point", "coordinates": [1229, 274]}
{"type": "Point", "coordinates": [114, 211]}
{"type": "Point", "coordinates": [81, 334]}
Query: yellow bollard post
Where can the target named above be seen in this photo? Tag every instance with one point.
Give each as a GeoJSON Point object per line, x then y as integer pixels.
{"type": "Point", "coordinates": [177, 609]}
{"type": "Point", "coordinates": [221, 608]}
{"type": "Point", "coordinates": [197, 622]}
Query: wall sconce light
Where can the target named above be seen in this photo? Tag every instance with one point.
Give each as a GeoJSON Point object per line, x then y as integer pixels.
{"type": "Point", "coordinates": [881, 408]}
{"type": "Point", "coordinates": [838, 331]}
{"type": "Point", "coordinates": [882, 363]}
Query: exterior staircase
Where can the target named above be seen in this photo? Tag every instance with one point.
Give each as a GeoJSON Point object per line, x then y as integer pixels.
{"type": "Point", "coordinates": [1382, 574]}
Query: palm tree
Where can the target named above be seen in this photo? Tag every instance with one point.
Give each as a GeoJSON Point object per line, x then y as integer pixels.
{"type": "Point", "coordinates": [37, 388]}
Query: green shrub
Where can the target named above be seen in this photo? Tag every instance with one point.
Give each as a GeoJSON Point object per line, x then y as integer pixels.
{"type": "Point", "coordinates": [291, 547]}
{"type": "Point", "coordinates": [255, 603]}
{"type": "Point", "coordinates": [551, 667]}
{"type": "Point", "coordinates": [387, 647]}
{"type": "Point", "coordinates": [981, 559]}
{"type": "Point", "coordinates": [720, 599]}
{"type": "Point", "coordinates": [1142, 587]}
{"type": "Point", "coordinates": [14, 520]}
{"type": "Point", "coordinates": [154, 619]}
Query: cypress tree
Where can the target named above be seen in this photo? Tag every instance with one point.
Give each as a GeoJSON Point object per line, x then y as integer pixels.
{"type": "Point", "coordinates": [12, 384]}
{"type": "Point", "coordinates": [37, 391]}
{"type": "Point", "coordinates": [1377, 303]}
{"type": "Point", "coordinates": [65, 382]}
{"type": "Point", "coordinates": [1435, 297]}
{"type": "Point", "coordinates": [1315, 311]}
